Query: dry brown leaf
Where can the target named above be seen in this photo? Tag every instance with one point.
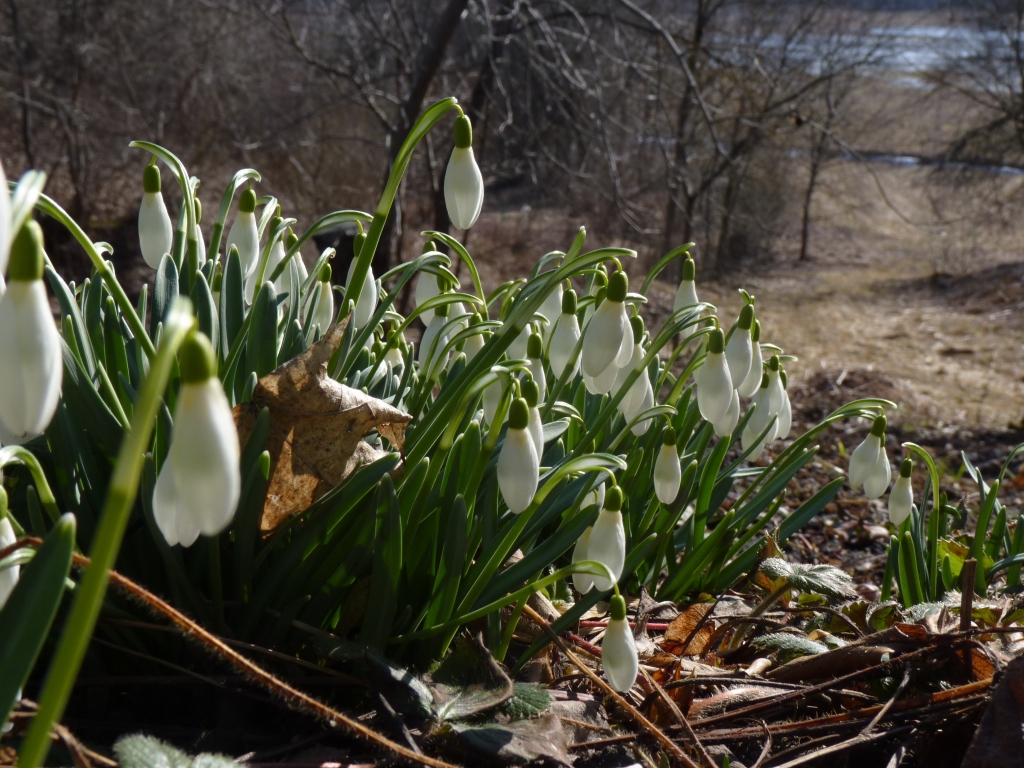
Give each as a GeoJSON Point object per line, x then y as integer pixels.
{"type": "Point", "coordinates": [317, 426]}
{"type": "Point", "coordinates": [683, 624]}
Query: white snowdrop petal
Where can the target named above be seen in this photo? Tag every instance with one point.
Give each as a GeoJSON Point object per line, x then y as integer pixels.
{"type": "Point", "coordinates": [463, 188]}
{"type": "Point", "coordinates": [877, 481]}
{"type": "Point", "coordinates": [601, 385]}
{"type": "Point", "coordinates": [491, 401]}
{"type": "Point", "coordinates": [728, 422]}
{"type": "Point", "coordinates": [645, 402]}
{"type": "Point", "coordinates": [752, 383]}
{"type": "Point", "coordinates": [563, 341]}
{"type": "Point", "coordinates": [432, 337]}
{"type": "Point", "coordinates": [739, 354]}
{"type": "Point", "coordinates": [619, 655]}
{"type": "Point", "coordinates": [155, 232]}
{"type": "Point", "coordinates": [608, 546]}
{"type": "Point", "coordinates": [517, 349]}
{"type": "Point", "coordinates": [518, 470]}
{"type": "Point", "coordinates": [714, 388]}
{"type": "Point", "coordinates": [245, 237]}
{"type": "Point", "coordinates": [863, 460]}
{"type": "Point", "coordinates": [366, 303]}
{"type": "Point", "coordinates": [8, 576]}
{"type": "Point", "coordinates": [627, 344]}
{"type": "Point", "coordinates": [776, 392]}
{"type": "Point", "coordinates": [426, 289]}
{"type": "Point", "coordinates": [667, 474]}
{"type": "Point", "coordinates": [536, 366]}
{"type": "Point", "coordinates": [785, 417]}
{"type": "Point", "coordinates": [551, 308]}
{"type": "Point", "coordinates": [901, 501]}
{"type": "Point", "coordinates": [536, 429]}
{"type": "Point", "coordinates": [583, 582]}
{"type": "Point", "coordinates": [324, 314]}
{"type": "Point", "coordinates": [603, 338]}
{"type": "Point", "coordinates": [32, 369]}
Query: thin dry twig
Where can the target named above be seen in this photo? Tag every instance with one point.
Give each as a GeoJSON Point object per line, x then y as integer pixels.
{"type": "Point", "coordinates": [680, 718]}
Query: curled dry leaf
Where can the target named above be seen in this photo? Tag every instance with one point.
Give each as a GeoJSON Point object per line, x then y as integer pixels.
{"type": "Point", "coordinates": [317, 426]}
{"type": "Point", "coordinates": [683, 625]}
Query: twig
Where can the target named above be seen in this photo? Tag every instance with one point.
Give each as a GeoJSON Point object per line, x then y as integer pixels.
{"type": "Point", "coordinates": [680, 718]}
{"type": "Point", "coordinates": [82, 756]}
{"type": "Point", "coordinates": [766, 750]}
{"type": "Point", "coordinates": [642, 721]}
{"type": "Point", "coordinates": [888, 705]}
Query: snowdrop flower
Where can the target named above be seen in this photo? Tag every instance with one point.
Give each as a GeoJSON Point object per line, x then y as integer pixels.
{"type": "Point", "coordinates": [366, 301]}
{"type": "Point", "coordinates": [8, 576]}
{"type": "Point", "coordinates": [427, 287]}
{"type": "Point", "coordinates": [776, 392]}
{"type": "Point", "coordinates": [583, 582]}
{"type": "Point", "coordinates": [463, 184]}
{"type": "Point", "coordinates": [32, 363]}
{"type": "Point", "coordinates": [786, 411]}
{"type": "Point", "coordinates": [491, 401]}
{"type": "Point", "coordinates": [714, 385]}
{"type": "Point", "coordinates": [535, 361]}
{"type": "Point", "coordinates": [595, 496]}
{"type": "Point", "coordinates": [274, 258]}
{"type": "Point", "coordinates": [618, 649]}
{"type": "Point", "coordinates": [728, 422]}
{"type": "Point", "coordinates": [752, 383]}
{"type": "Point", "coordinates": [901, 497]}
{"type": "Point", "coordinates": [668, 473]}
{"type": "Point", "coordinates": [474, 343]}
{"type": "Point", "coordinates": [564, 337]}
{"type": "Point", "coordinates": [739, 352]}
{"type": "Point", "coordinates": [155, 232]}
{"type": "Point", "coordinates": [424, 356]}
{"type": "Point", "coordinates": [200, 242]}
{"type": "Point", "coordinates": [518, 464]}
{"type": "Point", "coordinates": [394, 354]}
{"type": "Point", "coordinates": [608, 338]}
{"type": "Point", "coordinates": [531, 394]}
{"type": "Point", "coordinates": [244, 234]}
{"type": "Point", "coordinates": [518, 348]}
{"type": "Point", "coordinates": [290, 240]}
{"type": "Point", "coordinates": [686, 294]}
{"type": "Point", "coordinates": [323, 315]}
{"type": "Point", "coordinates": [758, 422]}
{"type": "Point", "coordinates": [632, 399]}
{"type": "Point", "coordinates": [200, 481]}
{"type": "Point", "coordinates": [864, 459]}
{"type": "Point", "coordinates": [607, 543]}
{"type": "Point", "coordinates": [878, 479]}
{"type": "Point", "coordinates": [598, 284]}
{"type": "Point", "coordinates": [601, 385]}
{"type": "Point", "coordinates": [551, 309]}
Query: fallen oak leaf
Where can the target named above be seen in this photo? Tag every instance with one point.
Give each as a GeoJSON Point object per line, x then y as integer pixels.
{"type": "Point", "coordinates": [317, 426]}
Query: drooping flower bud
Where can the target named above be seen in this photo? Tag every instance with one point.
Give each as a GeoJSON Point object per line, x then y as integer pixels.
{"type": "Point", "coordinates": [714, 385]}
{"type": "Point", "coordinates": [618, 649]}
{"type": "Point", "coordinates": [608, 540]}
{"type": "Point", "coordinates": [244, 234]}
{"type": "Point", "coordinates": [686, 294]}
{"type": "Point", "coordinates": [758, 422]}
{"type": "Point", "coordinates": [31, 367]}
{"type": "Point", "coordinates": [275, 257]}
{"type": "Point", "coordinates": [200, 241]}
{"type": "Point", "coordinates": [668, 473]}
{"type": "Point", "coordinates": [535, 361]}
{"type": "Point", "coordinates": [531, 394]}
{"type": "Point", "coordinates": [739, 352]}
{"type": "Point", "coordinates": [551, 308]}
{"type": "Point", "coordinates": [155, 231]}
{"type": "Point", "coordinates": [776, 392]}
{"type": "Point", "coordinates": [634, 397]}
{"type": "Point", "coordinates": [518, 464]}
{"type": "Point", "coordinates": [609, 338]}
{"type": "Point", "coordinates": [565, 336]}
{"type": "Point", "coordinates": [199, 484]}
{"type": "Point", "coordinates": [366, 303]}
{"type": "Point", "coordinates": [786, 412]}
{"type": "Point", "coordinates": [433, 337]}
{"type": "Point", "coordinates": [463, 183]}
{"type": "Point", "coordinates": [475, 342]}
{"type": "Point", "coordinates": [583, 582]}
{"type": "Point", "coordinates": [901, 497]}
{"type": "Point", "coordinates": [752, 383]}
{"type": "Point", "coordinates": [877, 481]}
{"type": "Point", "coordinates": [323, 316]}
{"type": "Point", "coordinates": [864, 458]}
{"type": "Point", "coordinates": [290, 239]}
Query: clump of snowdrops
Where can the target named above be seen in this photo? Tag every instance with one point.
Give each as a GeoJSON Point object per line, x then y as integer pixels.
{"type": "Point", "coordinates": [557, 442]}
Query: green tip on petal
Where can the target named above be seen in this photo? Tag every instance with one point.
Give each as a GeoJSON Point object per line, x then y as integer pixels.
{"type": "Point", "coordinates": [429, 246]}
{"type": "Point", "coordinates": [637, 324]}
{"type": "Point", "coordinates": [906, 468]}
{"type": "Point", "coordinates": [785, 378]}
{"type": "Point", "coordinates": [613, 499]}
{"type": "Point", "coordinates": [746, 317]}
{"type": "Point", "coordinates": [764, 381]}
{"type": "Point", "coordinates": [534, 346]}
{"type": "Point", "coordinates": [773, 362]}
{"type": "Point", "coordinates": [151, 179]}
{"type": "Point", "coordinates": [689, 269]}
{"type": "Point", "coordinates": [518, 414]}
{"type": "Point", "coordinates": [196, 359]}
{"type": "Point", "coordinates": [617, 607]}
{"type": "Point", "coordinates": [357, 243]}
{"type": "Point", "coordinates": [716, 342]}
{"type": "Point", "coordinates": [755, 332]}
{"type": "Point", "coordinates": [531, 392]}
{"type": "Point", "coordinates": [569, 302]}
{"type": "Point", "coordinates": [325, 273]}
{"type": "Point", "coordinates": [463, 132]}
{"type": "Point", "coordinates": [669, 437]}
{"type": "Point", "coordinates": [878, 426]}
{"type": "Point", "coordinates": [26, 263]}
{"type": "Point", "coordinates": [618, 286]}
{"type": "Point", "coordinates": [247, 202]}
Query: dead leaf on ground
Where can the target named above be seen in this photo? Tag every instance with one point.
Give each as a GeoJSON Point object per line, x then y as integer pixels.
{"type": "Point", "coordinates": [681, 627]}
{"type": "Point", "coordinates": [999, 740]}
{"type": "Point", "coordinates": [317, 426]}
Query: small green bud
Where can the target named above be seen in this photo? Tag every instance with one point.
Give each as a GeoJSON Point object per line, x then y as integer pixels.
{"type": "Point", "coordinates": [600, 279]}
{"type": "Point", "coordinates": [746, 317]}
{"type": "Point", "coordinates": [196, 359]}
{"type": "Point", "coordinates": [569, 302]}
{"type": "Point", "coordinates": [773, 362]}
{"type": "Point", "coordinates": [618, 286]}
{"type": "Point", "coordinates": [274, 224]}
{"type": "Point", "coordinates": [906, 468]}
{"type": "Point", "coordinates": [716, 342]}
{"type": "Point", "coordinates": [518, 414]}
{"type": "Point", "coordinates": [878, 426]}
{"type": "Point", "coordinates": [463, 132]}
{"type": "Point", "coordinates": [689, 269]}
{"type": "Point", "coordinates": [357, 243]}
{"type": "Point", "coordinates": [755, 333]}
{"type": "Point", "coordinates": [617, 606]}
{"type": "Point", "coordinates": [199, 211]}
{"type": "Point", "coordinates": [218, 278]}
{"type": "Point", "coordinates": [290, 240]}
{"type": "Point", "coordinates": [764, 381]}
{"type": "Point", "coordinates": [613, 499]}
{"type": "Point", "coordinates": [26, 261]}
{"type": "Point", "coordinates": [531, 392]}
{"type": "Point", "coordinates": [376, 349]}
{"type": "Point", "coordinates": [669, 438]}
{"type": "Point", "coordinates": [429, 246]}
{"type": "Point", "coordinates": [151, 178]}
{"type": "Point", "coordinates": [637, 324]}
{"type": "Point", "coordinates": [247, 202]}
{"type": "Point", "coordinates": [534, 346]}
{"type": "Point", "coordinates": [325, 273]}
